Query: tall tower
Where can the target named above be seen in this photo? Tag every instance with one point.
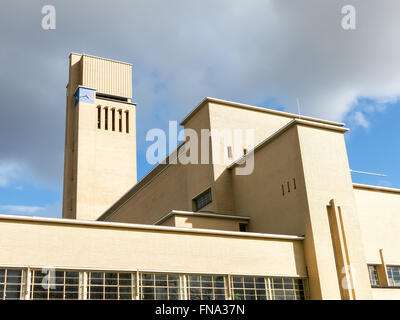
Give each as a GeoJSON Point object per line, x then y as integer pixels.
{"type": "Point", "coordinates": [100, 136]}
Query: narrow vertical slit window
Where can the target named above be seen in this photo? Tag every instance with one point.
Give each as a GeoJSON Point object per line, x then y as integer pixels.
{"type": "Point", "coordinates": [230, 152]}
{"type": "Point", "coordinates": [113, 119]}
{"type": "Point", "coordinates": [106, 118]}
{"type": "Point", "coordinates": [127, 121]}
{"type": "Point", "coordinates": [288, 187]}
{"type": "Point", "coordinates": [98, 117]}
{"type": "Point", "coordinates": [294, 183]}
{"type": "Point", "coordinates": [283, 190]}
{"type": "Point", "coordinates": [120, 120]}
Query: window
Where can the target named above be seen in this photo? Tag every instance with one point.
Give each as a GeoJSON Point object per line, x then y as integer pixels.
{"type": "Point", "coordinates": [373, 275]}
{"type": "Point", "coordinates": [249, 288]}
{"type": "Point", "coordinates": [11, 282]}
{"type": "Point", "coordinates": [203, 199]}
{"type": "Point", "coordinates": [120, 120]}
{"type": "Point", "coordinates": [98, 117]}
{"type": "Point", "coordinates": [55, 285]}
{"type": "Point", "coordinates": [242, 227]}
{"type": "Point", "coordinates": [244, 151]}
{"type": "Point", "coordinates": [287, 289]}
{"type": "Point", "coordinates": [294, 184]}
{"type": "Point", "coordinates": [110, 97]}
{"type": "Point", "coordinates": [110, 286]}
{"type": "Point", "coordinates": [288, 186]}
{"type": "Point", "coordinates": [99, 285]}
{"type": "Point", "coordinates": [283, 190]}
{"type": "Point", "coordinates": [106, 118]}
{"type": "Point", "coordinates": [157, 286]}
{"type": "Point", "coordinates": [393, 276]}
{"type": "Point", "coordinates": [230, 152]}
{"type": "Point", "coordinates": [205, 287]}
{"type": "Point", "coordinates": [113, 119]}
{"type": "Point", "coordinates": [127, 121]}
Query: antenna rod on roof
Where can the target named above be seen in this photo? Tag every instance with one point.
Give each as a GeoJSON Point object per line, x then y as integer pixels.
{"type": "Point", "coordinates": [298, 107]}
{"type": "Point", "coordinates": [370, 173]}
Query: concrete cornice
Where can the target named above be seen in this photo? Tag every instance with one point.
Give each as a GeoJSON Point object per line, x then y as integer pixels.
{"type": "Point", "coordinates": [284, 129]}
{"type": "Point", "coordinates": [255, 108]}
{"type": "Point", "coordinates": [144, 227]}
{"type": "Point", "coordinates": [101, 58]}
{"type": "Point", "coordinates": [199, 214]}
{"type": "Point", "coordinates": [375, 188]}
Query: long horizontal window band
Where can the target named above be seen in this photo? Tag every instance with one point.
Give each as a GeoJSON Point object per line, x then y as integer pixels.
{"type": "Point", "coordinates": [110, 97]}
{"type": "Point", "coordinates": [57, 284]}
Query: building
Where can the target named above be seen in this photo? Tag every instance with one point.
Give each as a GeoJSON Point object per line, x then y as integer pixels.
{"type": "Point", "coordinates": [295, 227]}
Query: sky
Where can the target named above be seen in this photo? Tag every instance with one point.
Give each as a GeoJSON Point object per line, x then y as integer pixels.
{"type": "Point", "coordinates": [266, 53]}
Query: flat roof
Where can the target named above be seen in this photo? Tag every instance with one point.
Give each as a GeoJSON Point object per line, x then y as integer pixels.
{"type": "Point", "coordinates": [101, 58]}
{"type": "Point", "coordinates": [144, 227]}
{"type": "Point", "coordinates": [199, 214]}
{"type": "Point", "coordinates": [255, 108]}
{"type": "Point", "coordinates": [375, 188]}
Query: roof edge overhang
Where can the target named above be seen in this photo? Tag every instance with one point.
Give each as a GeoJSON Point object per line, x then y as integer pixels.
{"type": "Point", "coordinates": [255, 108]}
{"type": "Point", "coordinates": [144, 227]}
{"type": "Point", "coordinates": [375, 188]}
{"type": "Point", "coordinates": [199, 214]}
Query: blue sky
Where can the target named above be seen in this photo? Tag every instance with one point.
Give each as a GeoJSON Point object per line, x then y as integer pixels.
{"type": "Point", "coordinates": [261, 52]}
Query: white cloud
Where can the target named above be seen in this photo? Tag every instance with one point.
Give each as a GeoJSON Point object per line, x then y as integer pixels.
{"type": "Point", "coordinates": [21, 209]}
{"type": "Point", "coordinates": [8, 172]}
{"type": "Point", "coordinates": [48, 210]}
{"type": "Point", "coordinates": [360, 120]}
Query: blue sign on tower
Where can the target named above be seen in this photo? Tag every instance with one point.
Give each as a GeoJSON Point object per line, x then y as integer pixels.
{"type": "Point", "coordinates": [83, 94]}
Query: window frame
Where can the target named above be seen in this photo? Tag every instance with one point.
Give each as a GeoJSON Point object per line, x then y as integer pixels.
{"type": "Point", "coordinates": [195, 200]}
{"type": "Point", "coordinates": [391, 280]}
{"type": "Point", "coordinates": [374, 282]}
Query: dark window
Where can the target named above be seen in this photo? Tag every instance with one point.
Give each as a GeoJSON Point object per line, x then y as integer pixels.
{"type": "Point", "coordinates": [203, 199]}
{"type": "Point", "coordinates": [244, 151]}
{"type": "Point", "coordinates": [242, 227]}
{"type": "Point", "coordinates": [283, 190]}
{"type": "Point", "coordinates": [120, 120]}
{"type": "Point", "coordinates": [294, 183]}
{"type": "Point", "coordinates": [11, 282]}
{"type": "Point", "coordinates": [288, 186]}
{"type": "Point", "coordinates": [110, 97]}
{"type": "Point", "coordinates": [98, 117]}
{"type": "Point", "coordinates": [106, 118]}
{"type": "Point", "coordinates": [113, 119]}
{"type": "Point", "coordinates": [155, 286]}
{"type": "Point", "coordinates": [127, 121]}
